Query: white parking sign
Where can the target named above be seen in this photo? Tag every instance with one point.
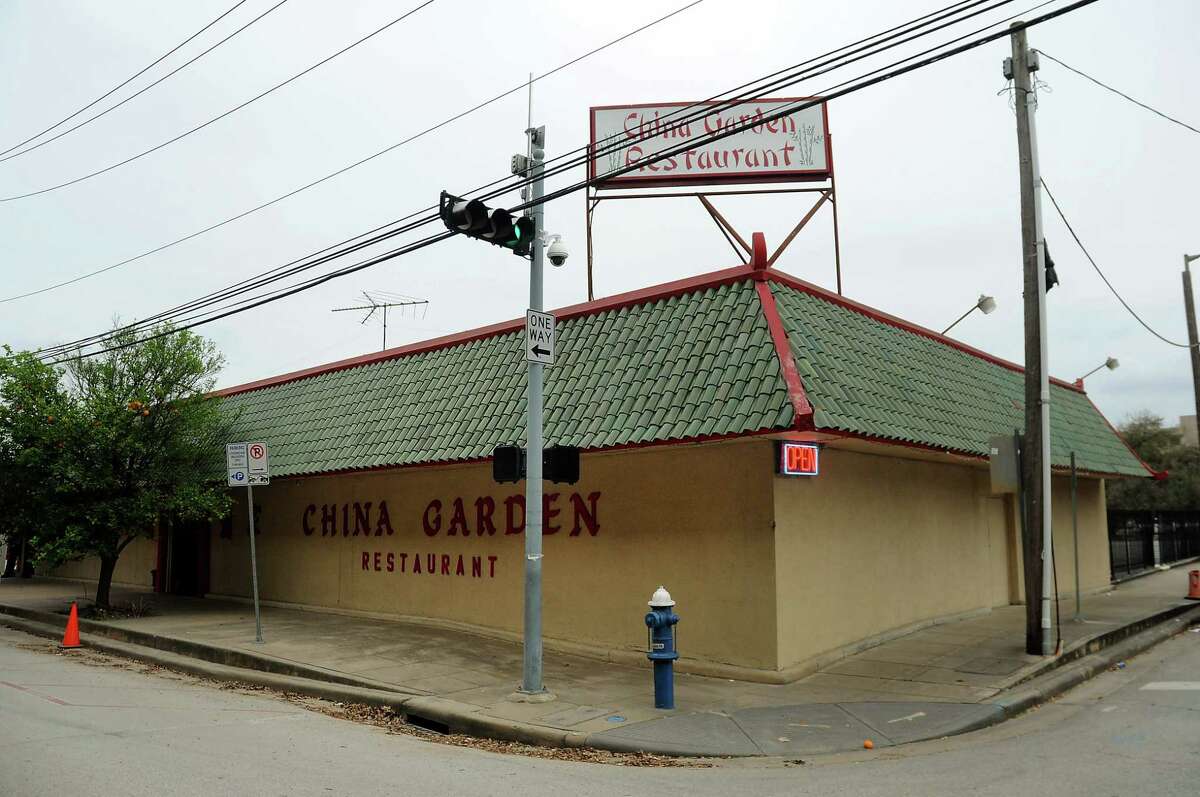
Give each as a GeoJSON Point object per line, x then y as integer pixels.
{"type": "Point", "coordinates": [236, 464]}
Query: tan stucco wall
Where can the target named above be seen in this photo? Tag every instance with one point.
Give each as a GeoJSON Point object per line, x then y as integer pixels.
{"type": "Point", "coordinates": [1094, 568]}
{"type": "Point", "coordinates": [695, 518]}
{"type": "Point", "coordinates": [877, 543]}
{"type": "Point", "coordinates": [770, 573]}
{"type": "Point", "coordinates": [133, 566]}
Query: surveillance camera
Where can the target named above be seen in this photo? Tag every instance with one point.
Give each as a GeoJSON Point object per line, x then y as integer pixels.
{"type": "Point", "coordinates": [557, 252]}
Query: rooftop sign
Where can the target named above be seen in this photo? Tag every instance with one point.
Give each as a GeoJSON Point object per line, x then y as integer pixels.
{"type": "Point", "coordinates": [794, 147]}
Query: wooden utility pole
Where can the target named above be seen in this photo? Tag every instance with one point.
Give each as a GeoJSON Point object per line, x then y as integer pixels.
{"type": "Point", "coordinates": [1193, 343]}
{"type": "Point", "coordinates": [1035, 465]}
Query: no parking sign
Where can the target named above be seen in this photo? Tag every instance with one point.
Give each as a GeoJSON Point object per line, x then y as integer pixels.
{"type": "Point", "coordinates": [246, 464]}
{"type": "Point", "coordinates": [257, 469]}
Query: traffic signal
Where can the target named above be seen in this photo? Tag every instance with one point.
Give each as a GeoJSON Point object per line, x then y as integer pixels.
{"type": "Point", "coordinates": [494, 225]}
{"type": "Point", "coordinates": [560, 464]}
{"type": "Point", "coordinates": [508, 464]}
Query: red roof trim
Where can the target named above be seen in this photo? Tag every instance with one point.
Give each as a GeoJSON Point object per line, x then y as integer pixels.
{"type": "Point", "coordinates": [879, 315]}
{"type": "Point", "coordinates": [1060, 469]}
{"type": "Point", "coordinates": [679, 441]}
{"type": "Point", "coordinates": [1159, 475]}
{"type": "Point", "coordinates": [801, 408]}
{"type": "Point", "coordinates": [700, 439]}
{"type": "Point", "coordinates": [641, 296]}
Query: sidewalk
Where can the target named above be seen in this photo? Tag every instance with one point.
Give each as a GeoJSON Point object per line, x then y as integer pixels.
{"type": "Point", "coordinates": [934, 682]}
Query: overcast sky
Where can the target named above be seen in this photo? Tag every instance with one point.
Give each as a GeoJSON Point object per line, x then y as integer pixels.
{"type": "Point", "coordinates": [926, 168]}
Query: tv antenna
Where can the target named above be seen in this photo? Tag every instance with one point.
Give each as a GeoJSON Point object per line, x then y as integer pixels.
{"type": "Point", "coordinates": [382, 300]}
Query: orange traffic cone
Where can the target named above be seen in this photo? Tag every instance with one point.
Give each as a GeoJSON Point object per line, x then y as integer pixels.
{"type": "Point", "coordinates": [71, 637]}
{"type": "Point", "coordinates": [1194, 585]}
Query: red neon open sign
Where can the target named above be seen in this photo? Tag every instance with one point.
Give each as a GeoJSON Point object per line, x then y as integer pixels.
{"type": "Point", "coordinates": [798, 459]}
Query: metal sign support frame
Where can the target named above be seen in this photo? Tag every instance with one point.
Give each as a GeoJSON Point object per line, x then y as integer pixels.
{"type": "Point", "coordinates": [595, 194]}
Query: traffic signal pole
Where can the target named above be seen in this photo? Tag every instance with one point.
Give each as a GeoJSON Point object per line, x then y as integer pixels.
{"type": "Point", "coordinates": [523, 235]}
{"type": "Point", "coordinates": [531, 682]}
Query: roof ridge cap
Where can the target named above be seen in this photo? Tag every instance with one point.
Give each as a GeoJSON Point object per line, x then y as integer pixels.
{"type": "Point", "coordinates": [825, 294]}
{"type": "Point", "coordinates": [802, 409]}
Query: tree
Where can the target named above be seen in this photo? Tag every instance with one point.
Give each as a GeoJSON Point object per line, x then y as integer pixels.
{"type": "Point", "coordinates": [34, 414]}
{"type": "Point", "coordinates": [1163, 450]}
{"type": "Point", "coordinates": [139, 438]}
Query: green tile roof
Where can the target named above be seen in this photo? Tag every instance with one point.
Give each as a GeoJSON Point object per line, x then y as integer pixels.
{"type": "Point", "coordinates": [870, 377]}
{"type": "Point", "coordinates": [697, 362]}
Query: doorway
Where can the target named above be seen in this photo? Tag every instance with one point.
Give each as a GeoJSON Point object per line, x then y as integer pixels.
{"type": "Point", "coordinates": [188, 558]}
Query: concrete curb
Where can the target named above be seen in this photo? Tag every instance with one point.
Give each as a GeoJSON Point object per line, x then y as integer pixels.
{"type": "Point", "coordinates": [431, 711]}
{"type": "Point", "coordinates": [422, 710]}
{"type": "Point", "coordinates": [1149, 633]}
{"type": "Point", "coordinates": [1105, 640]}
{"type": "Point", "coordinates": [211, 653]}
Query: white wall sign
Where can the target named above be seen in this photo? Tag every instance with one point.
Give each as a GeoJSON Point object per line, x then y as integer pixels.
{"type": "Point", "coordinates": [793, 147]}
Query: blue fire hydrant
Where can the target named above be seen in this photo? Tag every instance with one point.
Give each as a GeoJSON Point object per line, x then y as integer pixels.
{"type": "Point", "coordinates": [660, 624]}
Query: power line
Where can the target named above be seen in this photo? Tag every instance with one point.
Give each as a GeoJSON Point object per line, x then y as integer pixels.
{"type": "Point", "coordinates": [292, 268]}
{"type": "Point", "coordinates": [348, 167]}
{"type": "Point", "coordinates": [220, 116]}
{"type": "Point", "coordinates": [1138, 103]}
{"type": "Point", "coordinates": [1091, 260]}
{"type": "Point", "coordinates": [883, 37]}
{"type": "Point", "coordinates": [897, 69]}
{"type": "Point", "coordinates": [119, 86]}
{"type": "Point", "coordinates": [712, 137]}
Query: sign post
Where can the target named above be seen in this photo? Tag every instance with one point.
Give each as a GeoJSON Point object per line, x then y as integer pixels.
{"type": "Point", "coordinates": [247, 466]}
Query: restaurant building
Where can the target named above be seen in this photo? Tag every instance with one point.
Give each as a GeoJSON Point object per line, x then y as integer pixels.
{"type": "Point", "coordinates": [382, 501]}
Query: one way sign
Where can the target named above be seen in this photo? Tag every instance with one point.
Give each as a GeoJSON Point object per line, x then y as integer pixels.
{"type": "Point", "coordinates": [539, 337]}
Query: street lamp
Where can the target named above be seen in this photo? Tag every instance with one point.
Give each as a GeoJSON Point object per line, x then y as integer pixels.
{"type": "Point", "coordinates": [985, 304]}
{"type": "Point", "coordinates": [1112, 364]}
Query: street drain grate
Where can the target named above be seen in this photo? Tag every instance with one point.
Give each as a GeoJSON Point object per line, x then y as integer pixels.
{"type": "Point", "coordinates": [427, 723]}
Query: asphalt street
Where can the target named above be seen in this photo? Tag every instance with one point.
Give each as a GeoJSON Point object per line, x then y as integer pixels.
{"type": "Point", "coordinates": [71, 725]}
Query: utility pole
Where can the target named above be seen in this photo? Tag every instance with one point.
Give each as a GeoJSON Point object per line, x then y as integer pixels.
{"type": "Point", "coordinates": [531, 681]}
{"type": "Point", "coordinates": [1038, 543]}
{"type": "Point", "coordinates": [1193, 342]}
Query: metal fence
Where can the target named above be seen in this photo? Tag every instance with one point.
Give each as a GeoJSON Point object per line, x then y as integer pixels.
{"type": "Point", "coordinates": [1139, 540]}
